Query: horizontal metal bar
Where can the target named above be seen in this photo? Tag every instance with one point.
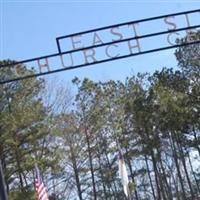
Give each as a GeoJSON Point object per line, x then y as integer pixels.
{"type": "Point", "coordinates": [29, 60]}
{"type": "Point", "coordinates": [100, 45]}
{"type": "Point", "coordinates": [101, 61]}
{"type": "Point", "coordinates": [133, 38]}
{"type": "Point", "coordinates": [130, 22]}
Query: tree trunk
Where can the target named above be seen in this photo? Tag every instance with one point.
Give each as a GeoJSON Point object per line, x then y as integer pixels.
{"type": "Point", "coordinates": [113, 181]}
{"type": "Point", "coordinates": [99, 153]}
{"type": "Point", "coordinates": [132, 176]}
{"type": "Point", "coordinates": [196, 141]}
{"type": "Point", "coordinates": [177, 165]}
{"type": "Point", "coordinates": [76, 173]}
{"type": "Point", "coordinates": [182, 157]}
{"type": "Point", "coordinates": [91, 164]}
{"type": "Point", "coordinates": [195, 178]}
{"type": "Point", "coordinates": [19, 171]}
{"type": "Point", "coordinates": [164, 178]}
{"type": "Point", "coordinates": [159, 184]}
{"type": "Point", "coordinates": [149, 175]}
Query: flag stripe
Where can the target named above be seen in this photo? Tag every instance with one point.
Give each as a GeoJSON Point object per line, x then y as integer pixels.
{"type": "Point", "coordinates": [39, 186]}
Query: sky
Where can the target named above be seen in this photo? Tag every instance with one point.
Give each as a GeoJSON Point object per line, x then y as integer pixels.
{"type": "Point", "coordinates": [28, 29]}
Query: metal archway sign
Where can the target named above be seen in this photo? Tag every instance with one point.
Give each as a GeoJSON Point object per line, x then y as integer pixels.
{"type": "Point", "coordinates": [111, 43]}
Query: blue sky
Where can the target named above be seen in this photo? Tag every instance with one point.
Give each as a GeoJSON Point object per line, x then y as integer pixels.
{"type": "Point", "coordinates": [28, 29]}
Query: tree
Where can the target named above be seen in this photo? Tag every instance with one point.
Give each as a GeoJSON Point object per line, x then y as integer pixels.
{"type": "Point", "coordinates": [24, 132]}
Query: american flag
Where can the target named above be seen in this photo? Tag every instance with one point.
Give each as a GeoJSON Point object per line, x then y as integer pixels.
{"type": "Point", "coordinates": [39, 186]}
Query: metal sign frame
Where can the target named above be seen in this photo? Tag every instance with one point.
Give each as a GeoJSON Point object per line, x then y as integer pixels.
{"type": "Point", "coordinates": [62, 53]}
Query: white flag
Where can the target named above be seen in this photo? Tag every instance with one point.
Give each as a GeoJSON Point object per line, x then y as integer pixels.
{"type": "Point", "coordinates": [123, 174]}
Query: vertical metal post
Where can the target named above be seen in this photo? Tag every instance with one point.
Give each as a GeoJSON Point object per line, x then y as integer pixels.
{"type": "Point", "coordinates": [3, 194]}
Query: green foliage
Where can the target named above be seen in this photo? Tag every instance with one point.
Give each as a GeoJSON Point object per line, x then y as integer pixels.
{"type": "Point", "coordinates": [24, 131]}
{"type": "Point", "coordinates": [16, 195]}
{"type": "Point", "coordinates": [154, 120]}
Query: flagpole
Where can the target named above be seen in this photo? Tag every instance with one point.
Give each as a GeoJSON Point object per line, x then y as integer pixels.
{"type": "Point", "coordinates": [3, 194]}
